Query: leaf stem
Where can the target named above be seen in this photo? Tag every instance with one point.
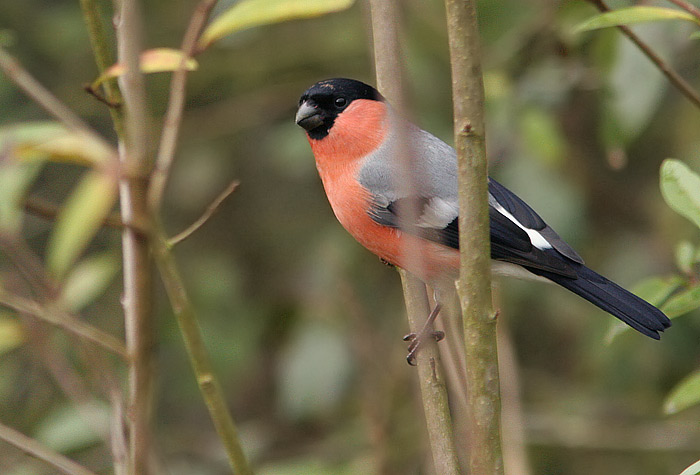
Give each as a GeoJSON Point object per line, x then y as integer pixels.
{"type": "Point", "coordinates": [674, 78]}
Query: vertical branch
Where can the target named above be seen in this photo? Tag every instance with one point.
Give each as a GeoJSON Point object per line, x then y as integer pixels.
{"type": "Point", "coordinates": [474, 287]}
{"type": "Point", "coordinates": [385, 20]}
{"type": "Point", "coordinates": [133, 188]}
{"type": "Point", "coordinates": [432, 381]}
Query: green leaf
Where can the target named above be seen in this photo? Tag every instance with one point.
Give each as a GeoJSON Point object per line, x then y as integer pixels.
{"type": "Point", "coordinates": [157, 60]}
{"type": "Point", "coordinates": [82, 216]}
{"type": "Point", "coordinates": [632, 16]}
{"type": "Point", "coordinates": [88, 280]}
{"type": "Point", "coordinates": [11, 333]}
{"type": "Point", "coordinates": [682, 303]}
{"type": "Point", "coordinates": [694, 36]}
{"type": "Point", "coordinates": [684, 395]}
{"type": "Point", "coordinates": [692, 470]}
{"type": "Point", "coordinates": [249, 13]}
{"type": "Point", "coordinates": [69, 428]}
{"type": "Point", "coordinates": [15, 180]}
{"type": "Point", "coordinates": [38, 141]}
{"type": "Point", "coordinates": [680, 187]}
{"type": "Point", "coordinates": [685, 257]}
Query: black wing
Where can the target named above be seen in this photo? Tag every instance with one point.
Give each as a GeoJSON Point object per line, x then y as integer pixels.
{"type": "Point", "coordinates": [509, 242]}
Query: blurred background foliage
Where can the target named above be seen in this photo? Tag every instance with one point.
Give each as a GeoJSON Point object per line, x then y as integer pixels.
{"type": "Point", "coordinates": [304, 325]}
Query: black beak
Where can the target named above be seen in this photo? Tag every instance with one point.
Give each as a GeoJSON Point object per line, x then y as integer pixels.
{"type": "Point", "coordinates": [308, 116]}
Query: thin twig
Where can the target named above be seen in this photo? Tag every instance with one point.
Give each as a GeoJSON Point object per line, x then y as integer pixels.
{"type": "Point", "coordinates": [687, 6]}
{"type": "Point", "coordinates": [42, 208]}
{"type": "Point", "coordinates": [485, 455]}
{"type": "Point", "coordinates": [176, 105]}
{"type": "Point", "coordinates": [25, 81]}
{"type": "Point", "coordinates": [208, 213]}
{"type": "Point", "coordinates": [69, 323]}
{"type": "Point", "coordinates": [676, 79]}
{"type": "Point", "coordinates": [199, 358]}
{"type": "Point", "coordinates": [41, 452]}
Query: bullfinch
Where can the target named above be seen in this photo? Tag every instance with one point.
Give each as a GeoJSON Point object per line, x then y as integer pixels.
{"type": "Point", "coordinates": [354, 135]}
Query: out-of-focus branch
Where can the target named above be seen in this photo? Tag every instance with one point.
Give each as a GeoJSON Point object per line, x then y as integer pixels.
{"type": "Point", "coordinates": [209, 385]}
{"type": "Point", "coordinates": [38, 206]}
{"type": "Point", "coordinates": [674, 78]}
{"type": "Point", "coordinates": [104, 58]}
{"type": "Point", "coordinates": [432, 381]}
{"type": "Point", "coordinates": [485, 457]}
{"type": "Point", "coordinates": [71, 324]}
{"type": "Point", "coordinates": [39, 94]}
{"type": "Point", "coordinates": [385, 21]}
{"type": "Point", "coordinates": [41, 452]}
{"type": "Point", "coordinates": [133, 196]}
{"type": "Point", "coordinates": [176, 104]}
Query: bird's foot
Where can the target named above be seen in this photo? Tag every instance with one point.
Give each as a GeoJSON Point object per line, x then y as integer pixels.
{"type": "Point", "coordinates": [427, 331]}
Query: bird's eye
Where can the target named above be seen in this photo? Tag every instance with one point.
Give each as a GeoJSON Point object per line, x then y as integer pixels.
{"type": "Point", "coordinates": [340, 102]}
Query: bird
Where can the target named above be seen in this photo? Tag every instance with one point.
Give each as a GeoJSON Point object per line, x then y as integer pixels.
{"type": "Point", "coordinates": [358, 139]}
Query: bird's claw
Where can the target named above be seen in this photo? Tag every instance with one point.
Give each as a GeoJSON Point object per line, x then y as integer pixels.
{"type": "Point", "coordinates": [417, 338]}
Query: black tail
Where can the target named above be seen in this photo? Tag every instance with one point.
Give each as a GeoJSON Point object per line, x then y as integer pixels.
{"type": "Point", "coordinates": [635, 312]}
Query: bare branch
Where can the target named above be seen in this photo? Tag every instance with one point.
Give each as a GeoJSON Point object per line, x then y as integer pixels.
{"type": "Point", "coordinates": [139, 321]}
{"type": "Point", "coordinates": [62, 320]}
{"type": "Point", "coordinates": [41, 452]}
{"type": "Point", "coordinates": [45, 209]}
{"type": "Point", "coordinates": [39, 94]}
{"type": "Point", "coordinates": [176, 105]}
{"type": "Point", "coordinates": [208, 213]}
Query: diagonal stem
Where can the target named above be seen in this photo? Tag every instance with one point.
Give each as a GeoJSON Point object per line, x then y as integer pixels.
{"type": "Point", "coordinates": [41, 452]}
{"type": "Point", "coordinates": [674, 78]}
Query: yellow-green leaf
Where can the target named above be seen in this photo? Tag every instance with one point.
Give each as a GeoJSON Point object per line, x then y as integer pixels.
{"type": "Point", "coordinates": [249, 13]}
{"type": "Point", "coordinates": [11, 333]}
{"type": "Point", "coordinates": [685, 257]}
{"type": "Point", "coordinates": [15, 180]}
{"type": "Point", "coordinates": [632, 16]}
{"type": "Point", "coordinates": [682, 302]}
{"type": "Point", "coordinates": [157, 60]}
{"type": "Point", "coordinates": [82, 216]}
{"type": "Point", "coordinates": [88, 280]}
{"type": "Point", "coordinates": [38, 141]}
{"type": "Point", "coordinates": [684, 395]}
{"type": "Point", "coordinates": [680, 187]}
